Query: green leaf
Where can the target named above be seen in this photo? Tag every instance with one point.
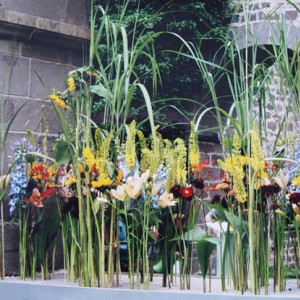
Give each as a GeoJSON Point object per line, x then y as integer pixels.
{"type": "Point", "coordinates": [204, 248]}
{"type": "Point", "coordinates": [62, 151]}
{"type": "Point", "coordinates": [193, 234]}
{"type": "Point", "coordinates": [236, 221]}
{"type": "Point", "coordinates": [101, 91]}
{"type": "Point", "coordinates": [48, 226]}
{"type": "Point", "coordinates": [96, 205]}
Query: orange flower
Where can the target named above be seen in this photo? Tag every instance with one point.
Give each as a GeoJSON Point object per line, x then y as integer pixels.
{"type": "Point", "coordinates": [200, 167]}
{"type": "Point", "coordinates": [40, 171]}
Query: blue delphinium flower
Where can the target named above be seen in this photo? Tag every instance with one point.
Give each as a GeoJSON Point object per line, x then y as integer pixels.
{"type": "Point", "coordinates": [18, 183]}
{"type": "Point", "coordinates": [161, 175]}
{"type": "Point", "coordinates": [293, 169]}
{"type": "Point", "coordinates": [18, 176]}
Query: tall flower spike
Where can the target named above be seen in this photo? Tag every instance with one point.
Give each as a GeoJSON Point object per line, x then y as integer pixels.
{"type": "Point", "coordinates": [257, 158]}
{"type": "Point", "coordinates": [181, 153]}
{"type": "Point", "coordinates": [194, 153]}
{"type": "Point", "coordinates": [130, 145]}
{"type": "Point", "coordinates": [89, 157]}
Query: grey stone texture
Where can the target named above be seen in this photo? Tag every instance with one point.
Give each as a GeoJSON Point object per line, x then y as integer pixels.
{"type": "Point", "coordinates": [263, 18]}
{"type": "Point", "coordinates": [67, 11]}
{"type": "Point", "coordinates": [45, 76]}
{"type": "Point", "coordinates": [40, 42]}
{"type": "Point", "coordinates": [14, 73]}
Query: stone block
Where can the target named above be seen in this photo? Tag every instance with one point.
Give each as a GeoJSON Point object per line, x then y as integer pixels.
{"type": "Point", "coordinates": [52, 53]}
{"type": "Point", "coordinates": [14, 75]}
{"type": "Point", "coordinates": [45, 77]}
{"type": "Point", "coordinates": [12, 263]}
{"type": "Point", "coordinates": [11, 237]}
{"type": "Point", "coordinates": [54, 9]}
{"type": "Point", "coordinates": [10, 47]}
{"type": "Point", "coordinates": [77, 12]}
{"type": "Point", "coordinates": [29, 115]}
{"type": "Point", "coordinates": [12, 137]}
{"type": "Point", "coordinates": [45, 52]}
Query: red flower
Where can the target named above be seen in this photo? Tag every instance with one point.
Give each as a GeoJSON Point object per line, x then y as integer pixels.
{"type": "Point", "coordinates": [47, 193]}
{"type": "Point", "coordinates": [186, 193]}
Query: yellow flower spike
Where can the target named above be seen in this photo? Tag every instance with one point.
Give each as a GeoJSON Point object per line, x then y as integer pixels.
{"type": "Point", "coordinates": [180, 160]}
{"type": "Point", "coordinates": [130, 146]}
{"type": "Point", "coordinates": [234, 166]}
{"type": "Point", "coordinates": [71, 83]}
{"type": "Point", "coordinates": [89, 157]}
{"type": "Point", "coordinates": [237, 144]}
{"type": "Point", "coordinates": [58, 101]}
{"type": "Point", "coordinates": [297, 218]}
{"type": "Point", "coordinates": [257, 158]}
{"type": "Point", "coordinates": [194, 153]}
{"type": "Point", "coordinates": [102, 152]}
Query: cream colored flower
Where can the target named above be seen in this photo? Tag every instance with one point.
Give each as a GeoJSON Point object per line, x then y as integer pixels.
{"type": "Point", "coordinates": [166, 200]}
{"type": "Point", "coordinates": [282, 179]}
{"type": "Point", "coordinates": [156, 187]}
{"type": "Point", "coordinates": [134, 184]}
{"type": "Point", "coordinates": [101, 200]}
{"type": "Point", "coordinates": [119, 193]}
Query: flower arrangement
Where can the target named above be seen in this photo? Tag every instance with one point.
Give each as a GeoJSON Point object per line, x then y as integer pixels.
{"type": "Point", "coordinates": [100, 182]}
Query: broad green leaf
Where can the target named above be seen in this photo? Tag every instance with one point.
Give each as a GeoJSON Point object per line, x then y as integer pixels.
{"type": "Point", "coordinates": [204, 248]}
{"type": "Point", "coordinates": [100, 90]}
{"type": "Point", "coordinates": [193, 234]}
{"type": "Point", "coordinates": [62, 151]}
{"type": "Point", "coordinates": [236, 221]}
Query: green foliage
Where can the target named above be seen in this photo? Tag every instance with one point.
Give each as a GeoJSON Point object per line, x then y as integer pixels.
{"type": "Point", "coordinates": [62, 152]}
{"type": "Point", "coordinates": [204, 247]}
{"type": "Point", "coordinates": [191, 19]}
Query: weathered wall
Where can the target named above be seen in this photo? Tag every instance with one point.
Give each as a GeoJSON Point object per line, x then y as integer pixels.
{"type": "Point", "coordinates": [40, 42]}
{"type": "Point", "coordinates": [261, 20]}
{"type": "Point", "coordinates": [74, 12]}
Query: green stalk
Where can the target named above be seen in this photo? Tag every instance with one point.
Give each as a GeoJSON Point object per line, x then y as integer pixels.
{"type": "Point", "coordinates": [82, 212]}
{"type": "Point", "coordinates": [98, 233]}
{"type": "Point", "coordinates": [90, 242]}
{"type": "Point", "coordinates": [145, 258]}
{"type": "Point", "coordinates": [102, 248]}
{"type": "Point", "coordinates": [130, 254]}
{"type": "Point", "coordinates": [110, 265]}
{"type": "Point", "coordinates": [252, 248]}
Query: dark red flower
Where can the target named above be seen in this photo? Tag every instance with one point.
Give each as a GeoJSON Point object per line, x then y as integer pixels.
{"type": "Point", "coordinates": [294, 198]}
{"type": "Point", "coordinates": [198, 183]}
{"type": "Point", "coordinates": [186, 193]}
{"type": "Point", "coordinates": [175, 190]}
{"type": "Point", "coordinates": [216, 199]}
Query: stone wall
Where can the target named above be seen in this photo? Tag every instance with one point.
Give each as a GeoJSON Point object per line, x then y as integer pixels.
{"type": "Point", "coordinates": [261, 20]}
{"type": "Point", "coordinates": [40, 42]}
